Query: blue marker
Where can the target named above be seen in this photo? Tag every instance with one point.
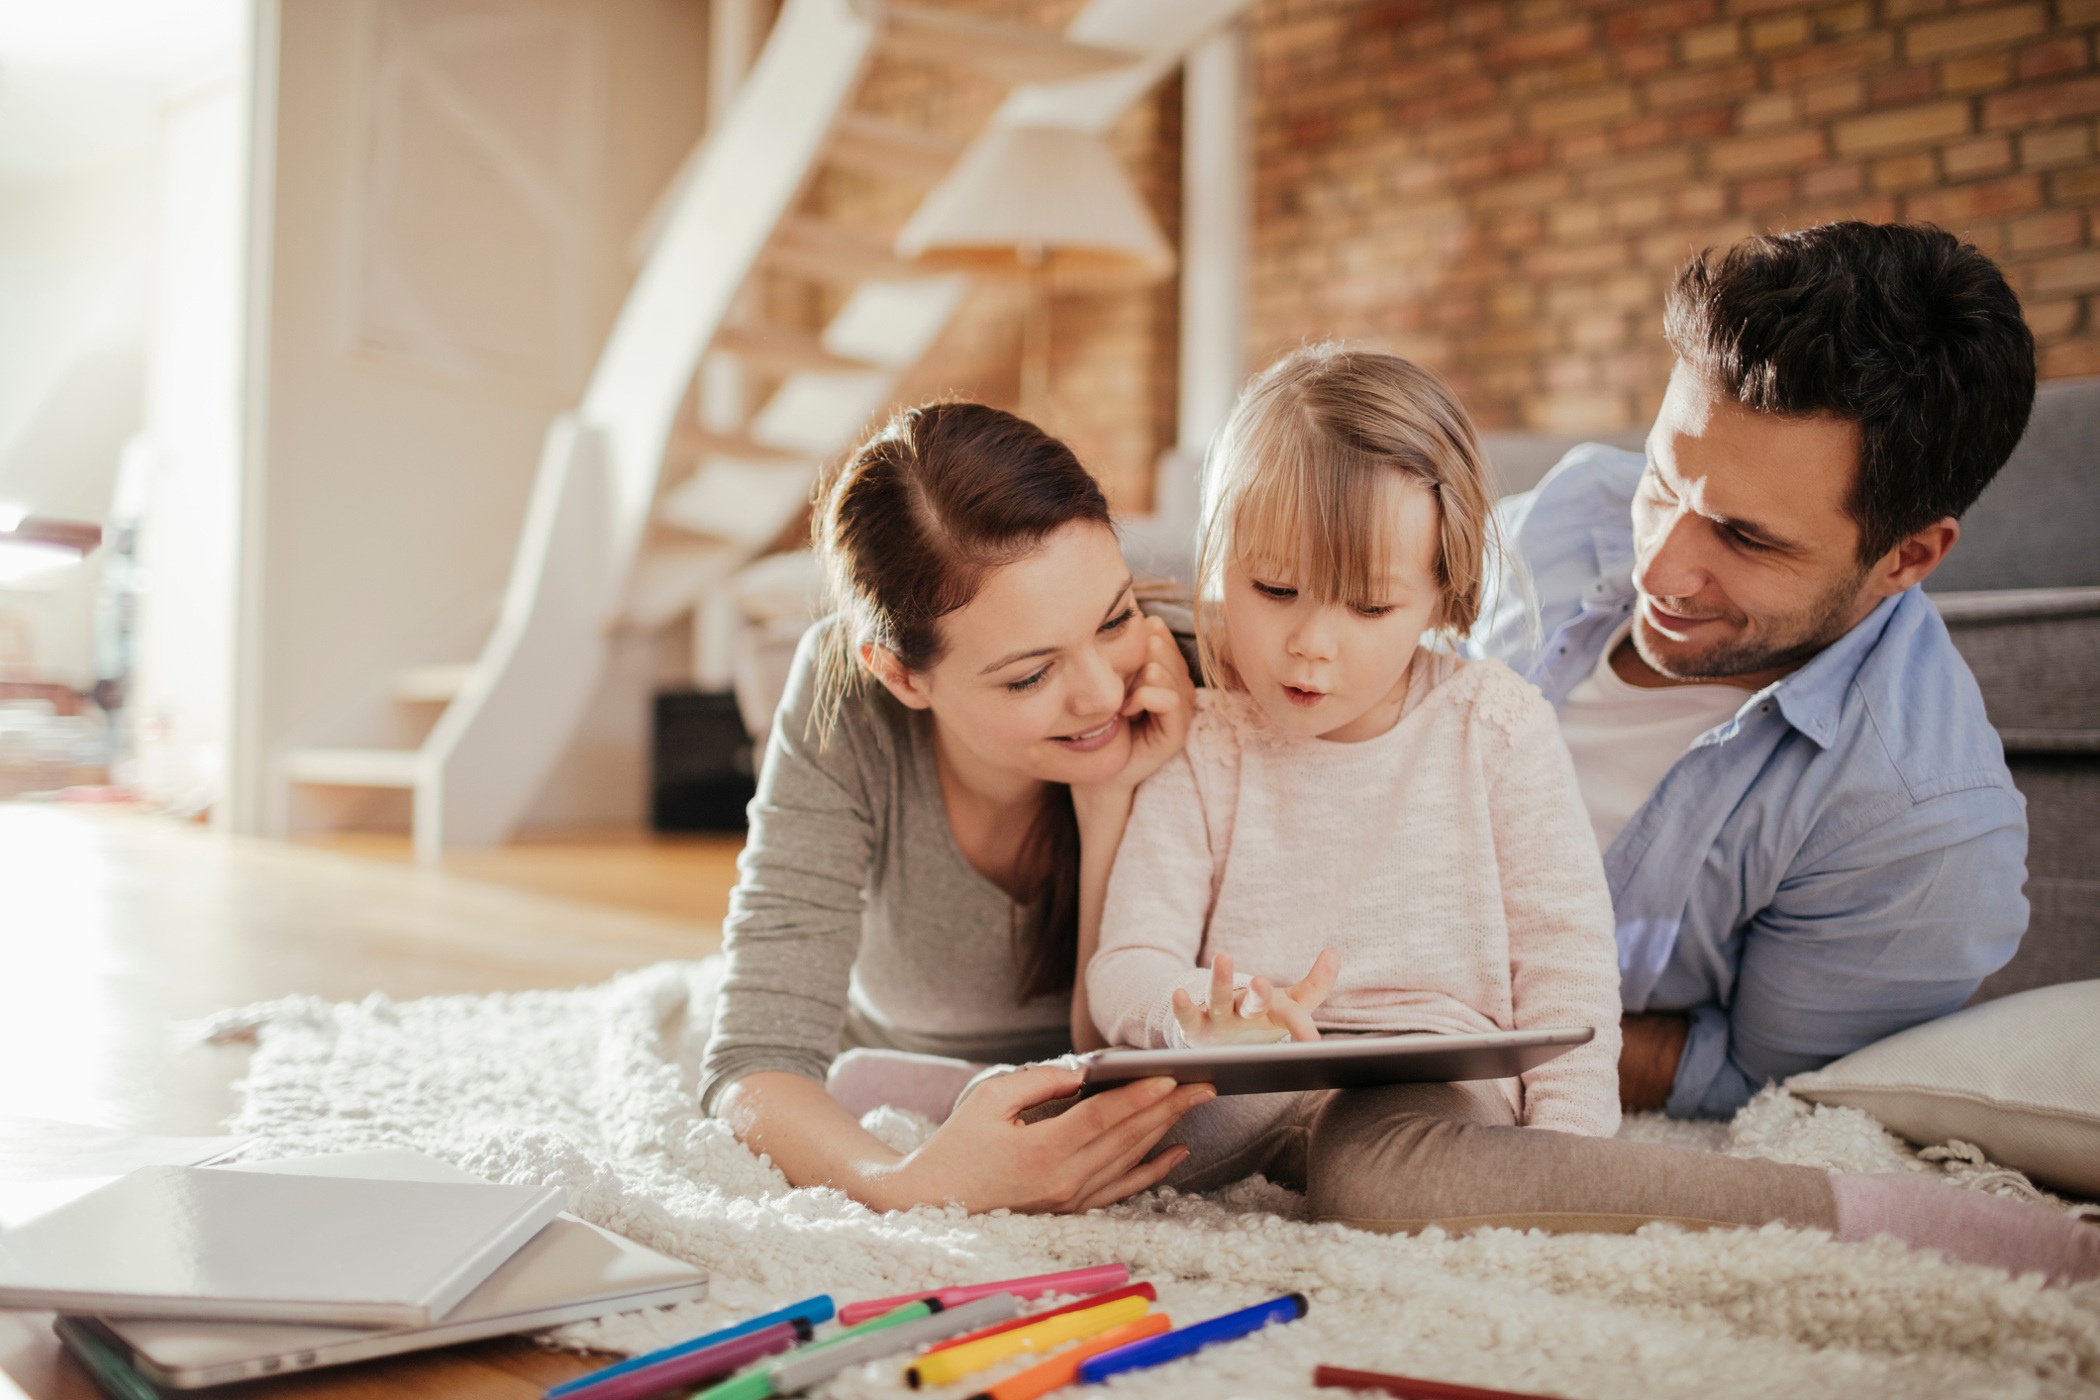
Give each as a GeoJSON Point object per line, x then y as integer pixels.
{"type": "Point", "coordinates": [810, 1310]}
{"type": "Point", "coordinates": [1172, 1346]}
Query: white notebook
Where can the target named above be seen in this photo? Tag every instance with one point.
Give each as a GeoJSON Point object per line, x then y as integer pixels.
{"type": "Point", "coordinates": [570, 1271]}
{"type": "Point", "coordinates": [202, 1242]}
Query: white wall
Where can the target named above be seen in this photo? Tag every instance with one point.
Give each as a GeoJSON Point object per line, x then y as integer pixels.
{"type": "Point", "coordinates": [452, 193]}
{"type": "Point", "coordinates": [185, 494]}
{"type": "Point", "coordinates": [76, 237]}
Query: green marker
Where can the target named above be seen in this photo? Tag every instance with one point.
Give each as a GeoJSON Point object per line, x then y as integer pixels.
{"type": "Point", "coordinates": [757, 1384]}
{"type": "Point", "coordinates": [111, 1372]}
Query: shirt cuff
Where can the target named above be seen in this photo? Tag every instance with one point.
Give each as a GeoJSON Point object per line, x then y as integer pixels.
{"type": "Point", "coordinates": [1706, 1084]}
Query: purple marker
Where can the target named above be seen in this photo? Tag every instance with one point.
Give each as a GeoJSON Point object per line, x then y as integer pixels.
{"type": "Point", "coordinates": [698, 1367]}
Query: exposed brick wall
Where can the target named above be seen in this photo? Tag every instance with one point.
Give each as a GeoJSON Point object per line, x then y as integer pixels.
{"type": "Point", "coordinates": [1502, 189]}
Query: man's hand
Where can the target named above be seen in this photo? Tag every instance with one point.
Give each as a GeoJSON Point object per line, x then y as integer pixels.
{"type": "Point", "coordinates": [1649, 1050]}
{"type": "Point", "coordinates": [1258, 1014]}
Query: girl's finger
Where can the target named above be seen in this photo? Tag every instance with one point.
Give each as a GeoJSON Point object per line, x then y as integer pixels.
{"type": "Point", "coordinates": [1220, 983]}
{"type": "Point", "coordinates": [1320, 981]}
{"type": "Point", "coordinates": [1259, 993]}
{"type": "Point", "coordinates": [1294, 1018]}
{"type": "Point", "coordinates": [1186, 1013]}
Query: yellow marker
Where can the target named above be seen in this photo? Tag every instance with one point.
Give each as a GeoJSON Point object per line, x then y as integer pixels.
{"type": "Point", "coordinates": [941, 1367]}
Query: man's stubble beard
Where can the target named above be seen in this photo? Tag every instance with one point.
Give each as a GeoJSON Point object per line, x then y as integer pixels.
{"type": "Point", "coordinates": [1781, 645]}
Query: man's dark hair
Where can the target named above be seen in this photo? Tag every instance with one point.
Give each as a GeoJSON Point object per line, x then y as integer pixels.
{"type": "Point", "coordinates": [1901, 328]}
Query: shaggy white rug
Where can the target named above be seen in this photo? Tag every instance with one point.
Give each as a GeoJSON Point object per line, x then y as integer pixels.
{"type": "Point", "coordinates": [592, 1089]}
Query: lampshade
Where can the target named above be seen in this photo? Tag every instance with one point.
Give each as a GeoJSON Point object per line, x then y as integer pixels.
{"type": "Point", "coordinates": [1044, 200]}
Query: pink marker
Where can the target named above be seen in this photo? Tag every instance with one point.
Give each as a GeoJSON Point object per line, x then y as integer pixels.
{"type": "Point", "coordinates": [1090, 1280]}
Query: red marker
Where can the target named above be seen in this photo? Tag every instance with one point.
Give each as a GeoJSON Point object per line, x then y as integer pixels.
{"type": "Point", "coordinates": [1091, 1280]}
{"type": "Point", "coordinates": [1411, 1387]}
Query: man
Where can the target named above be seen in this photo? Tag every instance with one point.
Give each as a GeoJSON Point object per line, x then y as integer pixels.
{"type": "Point", "coordinates": [1810, 833]}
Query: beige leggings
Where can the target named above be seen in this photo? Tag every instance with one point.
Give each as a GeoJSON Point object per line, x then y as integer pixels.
{"type": "Point", "coordinates": [1407, 1156]}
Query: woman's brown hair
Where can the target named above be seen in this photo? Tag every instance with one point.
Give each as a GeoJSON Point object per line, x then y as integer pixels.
{"type": "Point", "coordinates": [908, 527]}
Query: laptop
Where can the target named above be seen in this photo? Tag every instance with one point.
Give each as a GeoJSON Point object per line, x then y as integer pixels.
{"type": "Point", "coordinates": [570, 1271]}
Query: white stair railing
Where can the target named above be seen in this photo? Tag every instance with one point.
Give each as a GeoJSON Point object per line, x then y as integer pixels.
{"type": "Point", "coordinates": [513, 714]}
{"type": "Point", "coordinates": [497, 742]}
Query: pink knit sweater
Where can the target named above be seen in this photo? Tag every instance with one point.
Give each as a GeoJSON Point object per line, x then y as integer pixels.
{"type": "Point", "coordinates": [1448, 861]}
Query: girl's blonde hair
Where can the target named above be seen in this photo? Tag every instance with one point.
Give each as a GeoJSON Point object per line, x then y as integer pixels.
{"type": "Point", "coordinates": [1295, 476]}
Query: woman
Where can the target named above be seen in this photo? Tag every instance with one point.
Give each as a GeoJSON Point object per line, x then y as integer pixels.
{"type": "Point", "coordinates": [952, 743]}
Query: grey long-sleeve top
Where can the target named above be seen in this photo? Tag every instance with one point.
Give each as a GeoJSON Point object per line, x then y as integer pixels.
{"type": "Point", "coordinates": [855, 919]}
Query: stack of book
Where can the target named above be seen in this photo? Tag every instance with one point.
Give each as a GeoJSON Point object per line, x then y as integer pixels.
{"type": "Point", "coordinates": [173, 1277]}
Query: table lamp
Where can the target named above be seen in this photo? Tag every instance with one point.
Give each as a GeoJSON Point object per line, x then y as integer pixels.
{"type": "Point", "coordinates": [1051, 205]}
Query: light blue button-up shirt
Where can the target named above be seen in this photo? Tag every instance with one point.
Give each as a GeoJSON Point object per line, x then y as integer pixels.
{"type": "Point", "coordinates": [1839, 860]}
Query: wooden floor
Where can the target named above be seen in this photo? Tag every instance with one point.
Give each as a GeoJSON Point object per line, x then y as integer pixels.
{"type": "Point", "coordinates": [117, 928]}
{"type": "Point", "coordinates": [679, 877]}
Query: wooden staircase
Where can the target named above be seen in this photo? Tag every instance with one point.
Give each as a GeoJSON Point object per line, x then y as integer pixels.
{"type": "Point", "coordinates": [588, 555]}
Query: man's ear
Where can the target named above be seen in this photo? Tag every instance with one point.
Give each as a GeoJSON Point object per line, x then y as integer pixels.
{"type": "Point", "coordinates": [885, 667]}
{"type": "Point", "coordinates": [1914, 558]}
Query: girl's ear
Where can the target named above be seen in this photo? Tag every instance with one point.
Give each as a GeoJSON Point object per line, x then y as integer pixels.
{"type": "Point", "coordinates": [883, 664]}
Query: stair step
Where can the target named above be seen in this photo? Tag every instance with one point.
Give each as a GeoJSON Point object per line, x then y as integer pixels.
{"type": "Point", "coordinates": [689, 441]}
{"type": "Point", "coordinates": [777, 347]}
{"type": "Point", "coordinates": [908, 154]}
{"type": "Point", "coordinates": [828, 253]}
{"type": "Point", "coordinates": [1004, 52]}
{"type": "Point", "coordinates": [669, 578]}
{"type": "Point", "coordinates": [432, 685]}
{"type": "Point", "coordinates": [375, 768]}
{"type": "Point", "coordinates": [742, 502]}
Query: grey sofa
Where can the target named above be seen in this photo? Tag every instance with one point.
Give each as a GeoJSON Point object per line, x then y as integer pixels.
{"type": "Point", "coordinates": [2021, 596]}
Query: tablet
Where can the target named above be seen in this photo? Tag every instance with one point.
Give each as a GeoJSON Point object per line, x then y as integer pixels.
{"type": "Point", "coordinates": [1344, 1062]}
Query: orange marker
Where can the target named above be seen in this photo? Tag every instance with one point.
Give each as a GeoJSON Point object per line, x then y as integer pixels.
{"type": "Point", "coordinates": [1063, 1370]}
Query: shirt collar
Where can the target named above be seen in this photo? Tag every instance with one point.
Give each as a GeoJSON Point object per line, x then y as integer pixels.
{"type": "Point", "coordinates": [1813, 697]}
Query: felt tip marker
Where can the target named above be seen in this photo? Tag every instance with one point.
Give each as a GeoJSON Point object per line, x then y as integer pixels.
{"type": "Point", "coordinates": [1411, 1387]}
{"type": "Point", "coordinates": [820, 1364]}
{"type": "Point", "coordinates": [699, 1367]}
{"type": "Point", "coordinates": [943, 1367]}
{"type": "Point", "coordinates": [1061, 1371]}
{"type": "Point", "coordinates": [1174, 1345]}
{"type": "Point", "coordinates": [810, 1311]}
{"type": "Point", "coordinates": [758, 1385]}
{"type": "Point", "coordinates": [1135, 1290]}
{"type": "Point", "coordinates": [1090, 1280]}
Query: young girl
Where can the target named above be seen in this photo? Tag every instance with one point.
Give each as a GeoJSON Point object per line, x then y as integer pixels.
{"type": "Point", "coordinates": [1347, 788]}
{"type": "Point", "coordinates": [1413, 820]}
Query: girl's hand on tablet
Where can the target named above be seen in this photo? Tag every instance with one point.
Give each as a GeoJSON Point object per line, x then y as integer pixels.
{"type": "Point", "coordinates": [1259, 1013]}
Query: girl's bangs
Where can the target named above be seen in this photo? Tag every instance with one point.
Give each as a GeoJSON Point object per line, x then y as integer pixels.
{"type": "Point", "coordinates": [1311, 514]}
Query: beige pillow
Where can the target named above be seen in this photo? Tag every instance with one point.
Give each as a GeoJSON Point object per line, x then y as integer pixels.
{"type": "Point", "coordinates": [2019, 1077]}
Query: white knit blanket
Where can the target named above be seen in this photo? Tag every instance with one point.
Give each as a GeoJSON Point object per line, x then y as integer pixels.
{"type": "Point", "coordinates": [592, 1089]}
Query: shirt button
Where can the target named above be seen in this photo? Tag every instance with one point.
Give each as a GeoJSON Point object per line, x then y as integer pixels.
{"type": "Point", "coordinates": [1765, 708]}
